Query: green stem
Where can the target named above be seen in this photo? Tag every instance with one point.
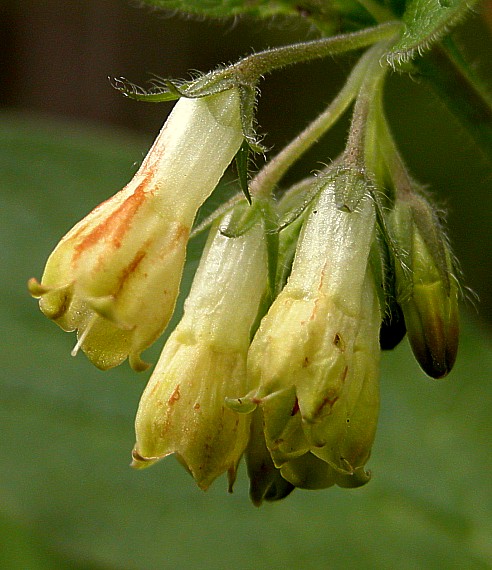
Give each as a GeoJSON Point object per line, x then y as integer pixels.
{"type": "Point", "coordinates": [390, 173]}
{"type": "Point", "coordinates": [247, 71]}
{"type": "Point", "coordinates": [252, 67]}
{"type": "Point", "coordinates": [219, 211]}
{"type": "Point", "coordinates": [371, 88]}
{"type": "Point", "coordinates": [271, 174]}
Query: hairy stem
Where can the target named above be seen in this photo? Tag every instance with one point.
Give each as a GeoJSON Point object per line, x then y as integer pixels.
{"type": "Point", "coordinates": [266, 180]}
{"type": "Point", "coordinates": [258, 64]}
{"type": "Point", "coordinates": [370, 89]}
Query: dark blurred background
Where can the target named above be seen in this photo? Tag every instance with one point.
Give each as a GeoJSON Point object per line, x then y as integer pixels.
{"type": "Point", "coordinates": [56, 58]}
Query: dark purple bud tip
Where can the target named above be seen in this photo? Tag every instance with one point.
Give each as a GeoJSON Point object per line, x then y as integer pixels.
{"type": "Point", "coordinates": [433, 330]}
{"type": "Point", "coordinates": [436, 349]}
{"type": "Point", "coordinates": [393, 328]}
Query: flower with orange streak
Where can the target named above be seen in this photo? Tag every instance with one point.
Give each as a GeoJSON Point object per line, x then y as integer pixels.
{"type": "Point", "coordinates": [183, 409]}
{"type": "Point", "coordinates": [115, 276]}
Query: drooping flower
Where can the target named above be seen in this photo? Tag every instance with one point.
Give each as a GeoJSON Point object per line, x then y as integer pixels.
{"type": "Point", "coordinates": [314, 359]}
{"type": "Point", "coordinates": [115, 276]}
{"type": "Point", "coordinates": [183, 409]}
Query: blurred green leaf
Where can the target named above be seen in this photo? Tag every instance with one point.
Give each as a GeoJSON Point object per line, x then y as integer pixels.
{"type": "Point", "coordinates": [67, 495]}
{"type": "Point", "coordinates": [327, 16]}
{"type": "Point", "coordinates": [455, 81]}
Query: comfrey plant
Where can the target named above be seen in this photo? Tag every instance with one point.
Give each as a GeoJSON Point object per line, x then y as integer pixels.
{"type": "Point", "coordinates": [276, 356]}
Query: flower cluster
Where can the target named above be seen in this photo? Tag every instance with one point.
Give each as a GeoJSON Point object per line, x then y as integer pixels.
{"type": "Point", "coordinates": [276, 356]}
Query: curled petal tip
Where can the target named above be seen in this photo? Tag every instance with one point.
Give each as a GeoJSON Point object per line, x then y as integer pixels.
{"type": "Point", "coordinates": [137, 363]}
{"type": "Point", "coordinates": [357, 478]}
{"type": "Point", "coordinates": [106, 307]}
{"type": "Point", "coordinates": [35, 288]}
{"type": "Point", "coordinates": [139, 462]}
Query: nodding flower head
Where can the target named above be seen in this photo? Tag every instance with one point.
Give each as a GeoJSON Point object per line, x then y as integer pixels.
{"type": "Point", "coordinates": [182, 410]}
{"type": "Point", "coordinates": [115, 276]}
{"type": "Point", "coordinates": [314, 359]}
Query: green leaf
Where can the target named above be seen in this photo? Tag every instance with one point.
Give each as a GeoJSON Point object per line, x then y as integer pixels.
{"type": "Point", "coordinates": [426, 22]}
{"type": "Point", "coordinates": [242, 160]}
{"type": "Point", "coordinates": [454, 81]}
{"type": "Point", "coordinates": [328, 17]}
{"type": "Point", "coordinates": [67, 495]}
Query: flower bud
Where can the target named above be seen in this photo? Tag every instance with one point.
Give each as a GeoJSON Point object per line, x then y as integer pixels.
{"type": "Point", "coordinates": [427, 288]}
{"type": "Point", "coordinates": [393, 328]}
{"type": "Point", "coordinates": [115, 276]}
{"type": "Point", "coordinates": [183, 409]}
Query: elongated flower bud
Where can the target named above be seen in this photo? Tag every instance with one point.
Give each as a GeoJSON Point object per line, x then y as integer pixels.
{"type": "Point", "coordinates": [427, 287]}
{"type": "Point", "coordinates": [182, 409]}
{"type": "Point", "coordinates": [115, 276]}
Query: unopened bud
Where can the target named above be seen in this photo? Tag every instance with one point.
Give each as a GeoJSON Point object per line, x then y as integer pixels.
{"type": "Point", "coordinates": [427, 286]}
{"type": "Point", "coordinates": [266, 481]}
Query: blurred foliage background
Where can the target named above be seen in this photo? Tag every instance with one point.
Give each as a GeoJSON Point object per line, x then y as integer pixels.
{"type": "Point", "coordinates": [67, 496]}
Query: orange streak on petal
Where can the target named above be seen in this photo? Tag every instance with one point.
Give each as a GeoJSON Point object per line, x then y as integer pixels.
{"type": "Point", "coordinates": [131, 268]}
{"type": "Point", "coordinates": [117, 224]}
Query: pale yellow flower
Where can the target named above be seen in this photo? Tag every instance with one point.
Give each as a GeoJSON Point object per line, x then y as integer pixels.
{"type": "Point", "coordinates": [115, 276]}
{"type": "Point", "coordinates": [315, 357]}
{"type": "Point", "coordinates": [183, 409]}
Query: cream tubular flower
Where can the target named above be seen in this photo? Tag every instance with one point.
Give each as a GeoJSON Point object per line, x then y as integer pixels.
{"type": "Point", "coordinates": [344, 438]}
{"type": "Point", "coordinates": [309, 331]}
{"type": "Point", "coordinates": [310, 358]}
{"type": "Point", "coordinates": [183, 409]}
{"type": "Point", "coordinates": [115, 276]}
{"type": "Point", "coordinates": [335, 449]}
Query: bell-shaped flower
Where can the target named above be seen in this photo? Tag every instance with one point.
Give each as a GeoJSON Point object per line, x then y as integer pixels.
{"type": "Point", "coordinates": [308, 360]}
{"type": "Point", "coordinates": [335, 448]}
{"type": "Point", "coordinates": [115, 276]}
{"type": "Point", "coordinates": [183, 409]}
{"type": "Point", "coordinates": [427, 285]}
